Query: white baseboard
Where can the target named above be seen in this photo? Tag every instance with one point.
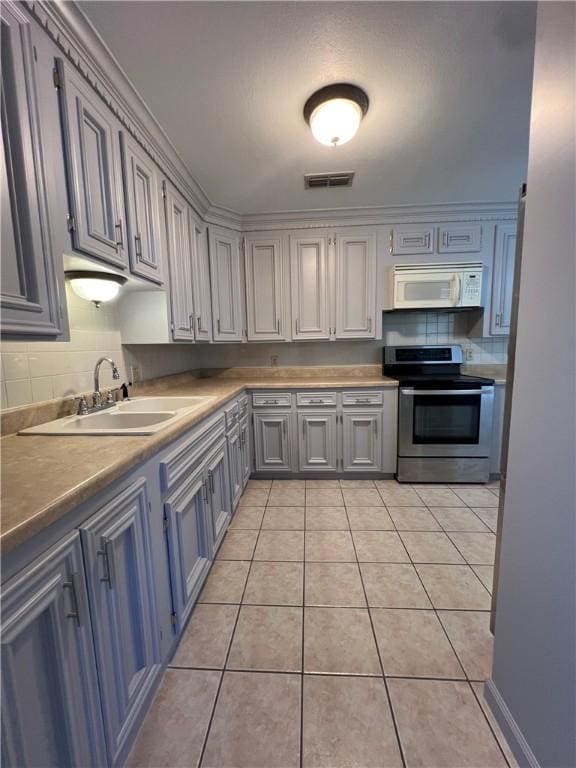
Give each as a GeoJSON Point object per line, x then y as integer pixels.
{"type": "Point", "coordinates": [510, 727]}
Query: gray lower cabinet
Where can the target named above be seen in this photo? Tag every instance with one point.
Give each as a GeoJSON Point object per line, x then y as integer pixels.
{"type": "Point", "coordinates": [362, 441]}
{"type": "Point", "coordinates": [118, 556]}
{"type": "Point", "coordinates": [317, 442]}
{"type": "Point", "coordinates": [50, 700]}
{"type": "Point", "coordinates": [235, 462]}
{"type": "Point", "coordinates": [144, 223]}
{"type": "Point", "coordinates": [189, 546]}
{"type": "Point", "coordinates": [31, 293]}
{"type": "Point", "coordinates": [245, 451]}
{"type": "Point", "coordinates": [273, 438]}
{"type": "Point", "coordinates": [220, 506]}
{"type": "Point", "coordinates": [92, 153]}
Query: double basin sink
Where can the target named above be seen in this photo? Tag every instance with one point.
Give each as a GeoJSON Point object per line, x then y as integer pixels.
{"type": "Point", "coordinates": [142, 416]}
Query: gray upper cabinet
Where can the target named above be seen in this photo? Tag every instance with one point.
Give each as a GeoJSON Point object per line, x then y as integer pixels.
{"type": "Point", "coordinates": [410, 240]}
{"type": "Point", "coordinates": [310, 287]}
{"type": "Point", "coordinates": [31, 284]}
{"type": "Point", "coordinates": [201, 279]}
{"type": "Point", "coordinates": [92, 152]}
{"type": "Point", "coordinates": [356, 285]}
{"type": "Point", "coordinates": [503, 279]}
{"type": "Point", "coordinates": [142, 195]}
{"type": "Point", "coordinates": [459, 238]}
{"type": "Point", "coordinates": [266, 288]}
{"type": "Point", "coordinates": [180, 260]}
{"type": "Point", "coordinates": [227, 285]}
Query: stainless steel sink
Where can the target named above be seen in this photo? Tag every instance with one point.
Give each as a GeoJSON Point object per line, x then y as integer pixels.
{"type": "Point", "coordinates": [143, 416]}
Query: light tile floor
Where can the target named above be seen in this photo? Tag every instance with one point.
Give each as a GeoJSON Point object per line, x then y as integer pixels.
{"type": "Point", "coordinates": [342, 624]}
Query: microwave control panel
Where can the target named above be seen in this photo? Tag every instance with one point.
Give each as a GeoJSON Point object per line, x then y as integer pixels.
{"type": "Point", "coordinates": [471, 288]}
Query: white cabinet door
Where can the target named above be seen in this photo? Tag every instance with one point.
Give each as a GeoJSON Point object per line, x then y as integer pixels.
{"type": "Point", "coordinates": [362, 441]}
{"type": "Point", "coordinates": [201, 280]}
{"type": "Point", "coordinates": [317, 442]}
{"type": "Point", "coordinates": [265, 289]}
{"type": "Point", "coordinates": [180, 260]}
{"type": "Point", "coordinates": [227, 285]}
{"type": "Point", "coordinates": [356, 285]}
{"type": "Point", "coordinates": [272, 441]}
{"type": "Point", "coordinates": [310, 287]}
{"type": "Point", "coordinates": [503, 279]}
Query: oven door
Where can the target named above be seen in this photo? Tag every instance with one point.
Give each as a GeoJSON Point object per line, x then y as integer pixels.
{"type": "Point", "coordinates": [445, 422]}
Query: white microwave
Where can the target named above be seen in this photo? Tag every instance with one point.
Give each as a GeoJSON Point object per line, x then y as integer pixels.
{"type": "Point", "coordinates": [437, 286]}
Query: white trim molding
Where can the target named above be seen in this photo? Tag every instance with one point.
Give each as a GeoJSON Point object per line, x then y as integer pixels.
{"type": "Point", "coordinates": [509, 726]}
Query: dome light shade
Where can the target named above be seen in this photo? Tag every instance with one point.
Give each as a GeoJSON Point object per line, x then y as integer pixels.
{"type": "Point", "coordinates": [334, 113]}
{"type": "Point", "coordinates": [97, 287]}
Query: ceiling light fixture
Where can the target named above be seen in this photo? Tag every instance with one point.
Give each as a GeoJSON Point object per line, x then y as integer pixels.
{"type": "Point", "coordinates": [334, 113]}
{"type": "Point", "coordinates": [96, 287]}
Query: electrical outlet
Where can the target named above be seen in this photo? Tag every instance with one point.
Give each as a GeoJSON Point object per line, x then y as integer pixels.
{"type": "Point", "coordinates": [469, 354]}
{"type": "Point", "coordinates": [273, 360]}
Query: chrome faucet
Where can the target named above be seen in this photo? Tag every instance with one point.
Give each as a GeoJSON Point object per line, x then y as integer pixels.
{"type": "Point", "coordinates": [97, 395]}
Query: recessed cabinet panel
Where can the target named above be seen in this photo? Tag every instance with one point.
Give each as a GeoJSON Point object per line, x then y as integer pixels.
{"type": "Point", "coordinates": [356, 285]}
{"type": "Point", "coordinates": [186, 517]}
{"type": "Point", "coordinates": [362, 441]}
{"type": "Point", "coordinates": [29, 298]}
{"type": "Point", "coordinates": [245, 451]}
{"type": "Point", "coordinates": [143, 208]}
{"type": "Point", "coordinates": [454, 238]}
{"type": "Point", "coordinates": [317, 441]}
{"type": "Point", "coordinates": [503, 279]}
{"type": "Point", "coordinates": [116, 543]}
{"type": "Point", "coordinates": [50, 699]}
{"type": "Point", "coordinates": [220, 503]}
{"type": "Point", "coordinates": [201, 280]}
{"type": "Point", "coordinates": [412, 240]}
{"type": "Point", "coordinates": [227, 286]}
{"type": "Point", "coordinates": [272, 439]}
{"type": "Point", "coordinates": [180, 258]}
{"type": "Point", "coordinates": [94, 173]}
{"type": "Point", "coordinates": [235, 463]}
{"type": "Point", "coordinates": [310, 288]}
{"type": "Point", "coordinates": [264, 289]}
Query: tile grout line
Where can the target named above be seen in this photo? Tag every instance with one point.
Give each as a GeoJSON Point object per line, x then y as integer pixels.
{"type": "Point", "coordinates": [223, 671]}
{"type": "Point", "coordinates": [388, 697]}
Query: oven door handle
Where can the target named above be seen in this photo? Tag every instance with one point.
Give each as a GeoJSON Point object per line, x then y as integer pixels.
{"type": "Point", "coordinates": [413, 392]}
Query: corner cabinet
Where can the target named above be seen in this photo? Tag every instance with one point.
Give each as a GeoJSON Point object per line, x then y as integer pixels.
{"type": "Point", "coordinates": [503, 279]}
{"type": "Point", "coordinates": [92, 154]}
{"type": "Point", "coordinates": [50, 698]}
{"type": "Point", "coordinates": [144, 223]}
{"type": "Point", "coordinates": [227, 284]}
{"type": "Point", "coordinates": [32, 291]}
{"type": "Point", "coordinates": [117, 552]}
{"type": "Point", "coordinates": [180, 260]}
{"type": "Point", "coordinates": [266, 288]}
{"type": "Point", "coordinates": [356, 285]}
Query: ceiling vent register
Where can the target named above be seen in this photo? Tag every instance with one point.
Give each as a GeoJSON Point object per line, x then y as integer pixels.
{"type": "Point", "coordinates": [323, 180]}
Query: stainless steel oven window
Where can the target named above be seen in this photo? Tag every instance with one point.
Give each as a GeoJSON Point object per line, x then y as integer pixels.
{"type": "Point", "coordinates": [445, 422]}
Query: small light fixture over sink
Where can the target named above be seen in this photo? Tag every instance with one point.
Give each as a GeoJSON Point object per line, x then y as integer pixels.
{"type": "Point", "coordinates": [96, 287]}
{"type": "Point", "coordinates": [334, 113]}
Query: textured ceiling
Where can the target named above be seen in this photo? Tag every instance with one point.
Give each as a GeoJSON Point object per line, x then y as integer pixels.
{"type": "Point", "coordinates": [449, 87]}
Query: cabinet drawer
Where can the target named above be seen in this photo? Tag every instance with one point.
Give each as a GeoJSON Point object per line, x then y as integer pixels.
{"type": "Point", "coordinates": [362, 398]}
{"type": "Point", "coordinates": [179, 462]}
{"type": "Point", "coordinates": [316, 398]}
{"type": "Point", "coordinates": [279, 399]}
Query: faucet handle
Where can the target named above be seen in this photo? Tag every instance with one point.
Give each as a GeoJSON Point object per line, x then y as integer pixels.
{"type": "Point", "coordinates": [82, 405]}
{"type": "Point", "coordinates": [110, 399]}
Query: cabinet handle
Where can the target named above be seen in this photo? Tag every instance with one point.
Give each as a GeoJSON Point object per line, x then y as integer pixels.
{"type": "Point", "coordinates": [218, 326]}
{"type": "Point", "coordinates": [211, 480]}
{"type": "Point", "coordinates": [303, 428]}
{"type": "Point", "coordinates": [297, 326]}
{"type": "Point", "coordinates": [199, 323]}
{"type": "Point", "coordinates": [278, 326]}
{"type": "Point", "coordinates": [119, 237]}
{"type": "Point", "coordinates": [138, 245]}
{"type": "Point", "coordinates": [360, 400]}
{"type": "Point", "coordinates": [375, 427]}
{"type": "Point", "coordinates": [271, 402]}
{"type": "Point", "coordinates": [284, 428]}
{"type": "Point", "coordinates": [108, 554]}
{"type": "Point", "coordinates": [497, 319]}
{"type": "Point", "coordinates": [76, 587]}
{"type": "Point", "coordinates": [369, 325]}
{"type": "Point", "coordinates": [205, 492]}
{"type": "Point", "coordinates": [191, 323]}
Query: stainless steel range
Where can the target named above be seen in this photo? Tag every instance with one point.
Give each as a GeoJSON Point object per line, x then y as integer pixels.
{"type": "Point", "coordinates": [444, 416]}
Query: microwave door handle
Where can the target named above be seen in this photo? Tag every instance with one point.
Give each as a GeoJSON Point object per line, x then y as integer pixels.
{"type": "Point", "coordinates": [456, 296]}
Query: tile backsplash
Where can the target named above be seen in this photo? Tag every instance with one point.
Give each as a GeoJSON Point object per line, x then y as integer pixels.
{"type": "Point", "coordinates": [35, 371]}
